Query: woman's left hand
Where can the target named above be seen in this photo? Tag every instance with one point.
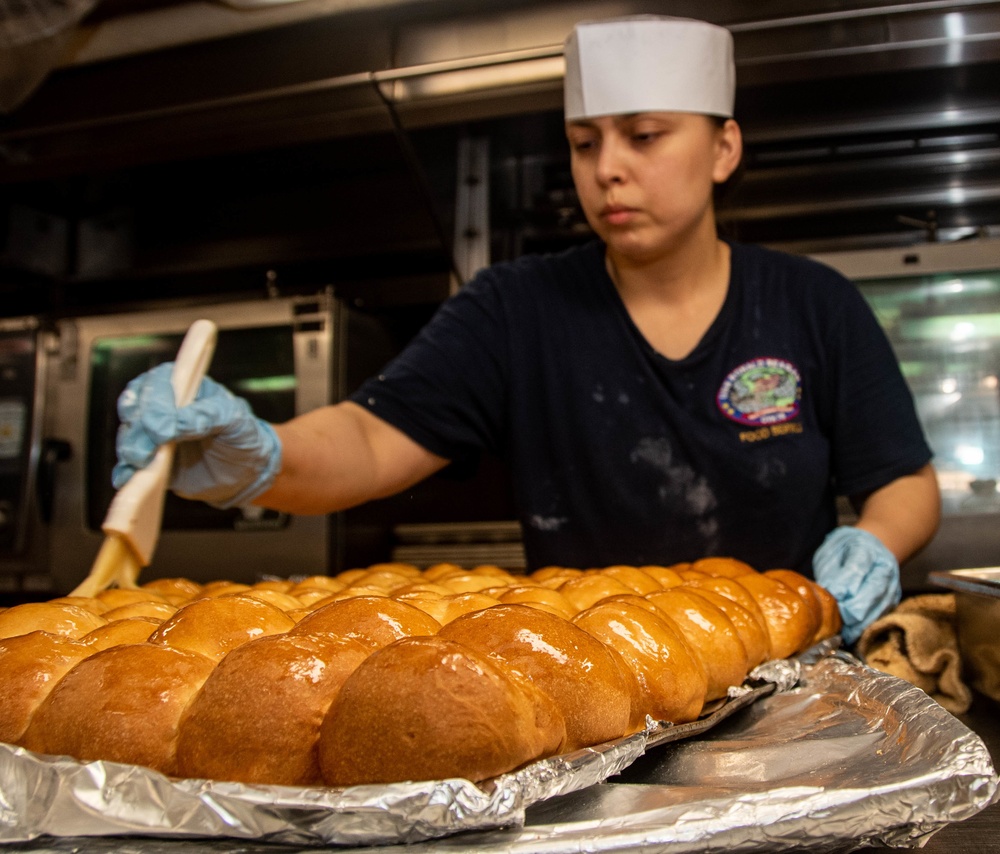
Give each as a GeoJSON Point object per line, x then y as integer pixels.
{"type": "Point", "coordinates": [861, 574]}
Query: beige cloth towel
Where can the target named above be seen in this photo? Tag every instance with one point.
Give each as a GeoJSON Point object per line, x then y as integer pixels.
{"type": "Point", "coordinates": [917, 642]}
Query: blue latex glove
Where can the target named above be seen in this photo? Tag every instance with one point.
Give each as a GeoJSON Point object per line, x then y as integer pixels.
{"type": "Point", "coordinates": [226, 456]}
{"type": "Point", "coordinates": [861, 574]}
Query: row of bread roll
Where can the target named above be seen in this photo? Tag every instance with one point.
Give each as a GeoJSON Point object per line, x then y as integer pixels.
{"type": "Point", "coordinates": [389, 673]}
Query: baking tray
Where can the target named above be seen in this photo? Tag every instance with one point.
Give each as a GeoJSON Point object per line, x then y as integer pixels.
{"type": "Point", "coordinates": [60, 796]}
{"type": "Point", "coordinates": [846, 757]}
{"type": "Point", "coordinates": [985, 581]}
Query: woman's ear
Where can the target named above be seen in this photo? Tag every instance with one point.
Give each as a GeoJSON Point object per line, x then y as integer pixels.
{"type": "Point", "coordinates": [728, 150]}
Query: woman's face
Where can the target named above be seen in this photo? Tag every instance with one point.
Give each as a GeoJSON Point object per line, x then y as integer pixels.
{"type": "Point", "coordinates": [645, 180]}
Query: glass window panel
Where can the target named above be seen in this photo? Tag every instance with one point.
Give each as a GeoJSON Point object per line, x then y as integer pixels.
{"type": "Point", "coordinates": [945, 329]}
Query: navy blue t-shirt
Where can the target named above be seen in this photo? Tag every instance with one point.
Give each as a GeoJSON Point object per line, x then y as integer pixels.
{"type": "Point", "coordinates": [622, 456]}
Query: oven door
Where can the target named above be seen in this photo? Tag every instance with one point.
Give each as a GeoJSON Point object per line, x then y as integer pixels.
{"type": "Point", "coordinates": [22, 371]}
{"type": "Point", "coordinates": [284, 356]}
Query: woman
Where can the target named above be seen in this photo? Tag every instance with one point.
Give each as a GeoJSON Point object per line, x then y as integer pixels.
{"type": "Point", "coordinates": [660, 394]}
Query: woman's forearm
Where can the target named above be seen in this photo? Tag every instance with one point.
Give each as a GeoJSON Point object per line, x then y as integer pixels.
{"type": "Point", "coordinates": [904, 514]}
{"type": "Point", "coordinates": [340, 456]}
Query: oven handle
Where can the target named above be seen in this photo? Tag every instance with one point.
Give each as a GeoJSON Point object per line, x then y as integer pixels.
{"type": "Point", "coordinates": [54, 451]}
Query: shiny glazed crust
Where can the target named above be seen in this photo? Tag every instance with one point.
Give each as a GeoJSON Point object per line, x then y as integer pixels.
{"type": "Point", "coordinates": [388, 672]}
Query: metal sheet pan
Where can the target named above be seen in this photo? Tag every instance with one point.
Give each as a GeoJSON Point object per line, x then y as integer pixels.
{"type": "Point", "coordinates": [845, 758]}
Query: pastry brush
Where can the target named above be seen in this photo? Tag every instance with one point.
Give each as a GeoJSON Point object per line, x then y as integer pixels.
{"type": "Point", "coordinates": [132, 524]}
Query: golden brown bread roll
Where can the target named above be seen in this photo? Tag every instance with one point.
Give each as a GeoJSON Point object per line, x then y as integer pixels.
{"type": "Point", "coordinates": [553, 576]}
{"type": "Point", "coordinates": [118, 597]}
{"type": "Point", "coordinates": [88, 603]}
{"type": "Point", "coordinates": [430, 603]}
{"type": "Point", "coordinates": [832, 622]}
{"type": "Point", "coordinates": [731, 590]}
{"type": "Point", "coordinates": [586, 590]}
{"type": "Point", "coordinates": [213, 626]}
{"type": "Point", "coordinates": [406, 569]}
{"type": "Point", "coordinates": [317, 582]}
{"type": "Point", "coordinates": [174, 590]}
{"type": "Point", "coordinates": [672, 680]}
{"type": "Point", "coordinates": [534, 595]}
{"type": "Point", "coordinates": [30, 667]}
{"type": "Point", "coordinates": [257, 717]}
{"type": "Point", "coordinates": [829, 612]}
{"type": "Point", "coordinates": [444, 609]}
{"type": "Point", "coordinates": [214, 589]}
{"type": "Point", "coordinates": [159, 611]}
{"type": "Point", "coordinates": [589, 682]}
{"type": "Point", "coordinates": [810, 596]}
{"type": "Point", "coordinates": [427, 708]}
{"type": "Point", "coordinates": [467, 582]}
{"type": "Point", "coordinates": [118, 632]}
{"type": "Point", "coordinates": [309, 596]}
{"type": "Point", "coordinates": [352, 592]}
{"type": "Point", "coordinates": [123, 704]}
{"type": "Point", "coordinates": [725, 567]}
{"type": "Point", "coordinates": [68, 621]}
{"type": "Point", "coordinates": [374, 621]}
{"type": "Point", "coordinates": [789, 624]}
{"type": "Point", "coordinates": [282, 601]}
{"type": "Point", "coordinates": [663, 575]}
{"type": "Point", "coordinates": [281, 585]}
{"type": "Point", "coordinates": [349, 576]}
{"type": "Point", "coordinates": [710, 633]}
{"type": "Point", "coordinates": [634, 599]}
{"type": "Point", "coordinates": [640, 582]}
{"type": "Point", "coordinates": [689, 576]}
{"type": "Point", "coordinates": [496, 571]}
{"type": "Point", "coordinates": [440, 571]}
{"type": "Point", "coordinates": [752, 631]}
{"type": "Point", "coordinates": [387, 580]}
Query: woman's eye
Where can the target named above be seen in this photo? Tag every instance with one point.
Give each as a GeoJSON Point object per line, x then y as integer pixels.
{"type": "Point", "coordinates": [644, 136]}
{"type": "Point", "coordinates": [582, 145]}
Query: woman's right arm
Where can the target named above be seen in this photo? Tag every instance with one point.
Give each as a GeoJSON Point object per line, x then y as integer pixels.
{"type": "Point", "coordinates": [340, 456]}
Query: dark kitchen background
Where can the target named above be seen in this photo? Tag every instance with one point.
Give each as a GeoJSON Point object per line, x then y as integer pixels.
{"type": "Point", "coordinates": [160, 153]}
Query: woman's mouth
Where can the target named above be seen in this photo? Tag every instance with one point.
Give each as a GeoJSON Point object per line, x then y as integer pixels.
{"type": "Point", "coordinates": [617, 214]}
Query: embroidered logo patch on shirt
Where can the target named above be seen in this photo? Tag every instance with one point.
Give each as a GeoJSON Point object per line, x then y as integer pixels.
{"type": "Point", "coordinates": [761, 391]}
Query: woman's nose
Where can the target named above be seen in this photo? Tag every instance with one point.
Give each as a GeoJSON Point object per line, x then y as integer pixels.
{"type": "Point", "coordinates": [610, 163]}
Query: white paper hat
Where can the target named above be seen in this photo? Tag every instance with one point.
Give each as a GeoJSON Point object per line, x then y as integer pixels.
{"type": "Point", "coordinates": [647, 63]}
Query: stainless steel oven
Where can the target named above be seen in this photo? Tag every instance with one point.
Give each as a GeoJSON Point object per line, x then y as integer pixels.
{"type": "Point", "coordinates": [285, 356]}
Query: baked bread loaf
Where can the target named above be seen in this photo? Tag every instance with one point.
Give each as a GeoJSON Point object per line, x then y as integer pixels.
{"type": "Point", "coordinates": [710, 633]}
{"type": "Point", "coordinates": [119, 632]}
{"type": "Point", "coordinates": [213, 626]}
{"type": "Point", "coordinates": [588, 681]}
{"type": "Point", "coordinates": [752, 631]}
{"type": "Point", "coordinates": [539, 597]}
{"type": "Point", "coordinates": [62, 619]}
{"type": "Point", "coordinates": [257, 717]}
{"type": "Point", "coordinates": [429, 708]}
{"type": "Point", "coordinates": [819, 601]}
{"type": "Point", "coordinates": [672, 680]}
{"type": "Point", "coordinates": [31, 666]}
{"type": "Point", "coordinates": [123, 704]}
{"type": "Point", "coordinates": [374, 621]}
{"type": "Point", "coordinates": [176, 591]}
{"type": "Point", "coordinates": [157, 610]}
{"type": "Point", "coordinates": [388, 673]}
{"type": "Point", "coordinates": [790, 624]}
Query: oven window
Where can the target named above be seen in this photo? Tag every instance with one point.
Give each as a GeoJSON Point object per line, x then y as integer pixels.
{"type": "Point", "coordinates": [945, 330]}
{"type": "Point", "coordinates": [257, 364]}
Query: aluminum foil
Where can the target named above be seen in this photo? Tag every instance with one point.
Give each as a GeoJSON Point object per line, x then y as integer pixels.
{"type": "Point", "coordinates": [847, 757]}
